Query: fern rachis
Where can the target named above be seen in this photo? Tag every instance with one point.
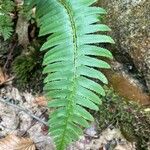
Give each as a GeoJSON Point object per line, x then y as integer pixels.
{"type": "Point", "coordinates": [71, 25]}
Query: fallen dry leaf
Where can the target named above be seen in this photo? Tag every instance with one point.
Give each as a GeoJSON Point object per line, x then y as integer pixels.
{"type": "Point", "coordinates": [124, 147]}
{"type": "Point", "coordinates": [4, 78]}
{"type": "Point", "coordinates": [41, 101]}
{"type": "Point", "coordinates": [12, 142]}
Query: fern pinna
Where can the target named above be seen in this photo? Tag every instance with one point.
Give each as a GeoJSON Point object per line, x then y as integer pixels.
{"type": "Point", "coordinates": [70, 26]}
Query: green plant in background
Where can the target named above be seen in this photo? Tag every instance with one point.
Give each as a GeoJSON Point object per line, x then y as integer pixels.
{"type": "Point", "coordinates": [6, 29]}
{"type": "Point", "coordinates": [26, 11]}
{"type": "Point", "coordinates": [131, 118]}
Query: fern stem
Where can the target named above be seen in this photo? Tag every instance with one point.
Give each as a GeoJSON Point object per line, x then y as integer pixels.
{"type": "Point", "coordinates": [70, 98]}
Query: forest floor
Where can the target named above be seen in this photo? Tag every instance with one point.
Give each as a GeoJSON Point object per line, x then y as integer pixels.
{"type": "Point", "coordinates": [24, 115]}
{"type": "Point", "coordinates": [23, 124]}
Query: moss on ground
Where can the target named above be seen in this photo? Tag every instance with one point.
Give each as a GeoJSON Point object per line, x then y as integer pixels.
{"type": "Point", "coordinates": [132, 119]}
{"type": "Point", "coordinates": [27, 69]}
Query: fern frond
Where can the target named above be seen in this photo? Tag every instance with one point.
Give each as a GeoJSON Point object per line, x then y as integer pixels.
{"type": "Point", "coordinates": [70, 65]}
{"type": "Point", "coordinates": [5, 26]}
{"type": "Point", "coordinates": [6, 29]}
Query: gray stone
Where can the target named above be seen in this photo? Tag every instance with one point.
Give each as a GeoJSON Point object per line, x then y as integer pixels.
{"type": "Point", "coordinates": [130, 23]}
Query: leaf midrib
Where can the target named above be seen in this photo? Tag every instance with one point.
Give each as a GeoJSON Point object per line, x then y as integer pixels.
{"type": "Point", "coordinates": [70, 97]}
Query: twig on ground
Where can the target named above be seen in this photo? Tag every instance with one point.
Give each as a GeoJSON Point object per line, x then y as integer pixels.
{"type": "Point", "coordinates": [11, 49]}
{"type": "Point", "coordinates": [33, 123]}
{"type": "Point", "coordinates": [6, 101]}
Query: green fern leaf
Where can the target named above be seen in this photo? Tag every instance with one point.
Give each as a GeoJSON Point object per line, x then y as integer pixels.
{"type": "Point", "coordinates": [70, 65]}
